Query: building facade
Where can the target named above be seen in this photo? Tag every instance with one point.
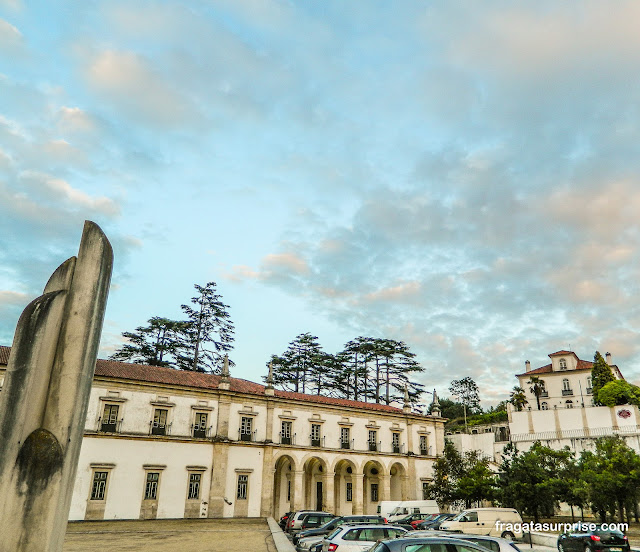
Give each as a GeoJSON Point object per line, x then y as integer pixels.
{"type": "Point", "coordinates": [566, 381]}
{"type": "Point", "coordinates": [164, 443]}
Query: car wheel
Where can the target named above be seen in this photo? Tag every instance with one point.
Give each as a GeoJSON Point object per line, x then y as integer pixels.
{"type": "Point", "coordinates": [508, 535]}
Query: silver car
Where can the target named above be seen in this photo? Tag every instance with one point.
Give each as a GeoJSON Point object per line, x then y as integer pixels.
{"type": "Point", "coordinates": [494, 544]}
{"type": "Point", "coordinates": [359, 538]}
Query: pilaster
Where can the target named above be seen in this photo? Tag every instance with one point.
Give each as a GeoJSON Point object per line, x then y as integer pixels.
{"type": "Point", "coordinates": [218, 480]}
{"type": "Point", "coordinates": [268, 473]}
{"type": "Point", "coordinates": [358, 493]}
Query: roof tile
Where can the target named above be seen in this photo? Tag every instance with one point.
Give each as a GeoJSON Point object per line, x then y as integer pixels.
{"type": "Point", "coordinates": [200, 380]}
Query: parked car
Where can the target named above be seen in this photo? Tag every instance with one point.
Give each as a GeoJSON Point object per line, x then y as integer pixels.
{"type": "Point", "coordinates": [314, 520]}
{"type": "Point", "coordinates": [283, 520]}
{"type": "Point", "coordinates": [420, 518]}
{"type": "Point", "coordinates": [294, 519]}
{"type": "Point", "coordinates": [328, 527]}
{"type": "Point", "coordinates": [435, 522]}
{"type": "Point", "coordinates": [583, 539]}
{"type": "Point", "coordinates": [494, 544]}
{"type": "Point", "coordinates": [427, 544]}
{"type": "Point", "coordinates": [486, 521]}
{"type": "Point", "coordinates": [407, 507]}
{"type": "Point", "coordinates": [358, 538]}
{"type": "Point", "coordinates": [416, 517]}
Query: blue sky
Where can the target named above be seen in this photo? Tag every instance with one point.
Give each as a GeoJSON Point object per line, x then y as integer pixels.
{"type": "Point", "coordinates": [463, 176]}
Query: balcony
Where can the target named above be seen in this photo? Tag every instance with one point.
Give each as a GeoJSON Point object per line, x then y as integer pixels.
{"type": "Point", "coordinates": [398, 448]}
{"type": "Point", "coordinates": [287, 439]}
{"type": "Point", "coordinates": [156, 428]}
{"type": "Point", "coordinates": [589, 390]}
{"type": "Point", "coordinates": [425, 451]}
{"type": "Point", "coordinates": [316, 441]}
{"type": "Point", "coordinates": [373, 446]}
{"type": "Point", "coordinates": [200, 432]}
{"type": "Point", "coordinates": [567, 392]}
{"type": "Point", "coordinates": [244, 435]}
{"type": "Point", "coordinates": [544, 394]}
{"type": "Point", "coordinates": [109, 426]}
{"type": "Point", "coordinates": [346, 444]}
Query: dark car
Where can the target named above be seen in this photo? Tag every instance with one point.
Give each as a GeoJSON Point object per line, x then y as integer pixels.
{"type": "Point", "coordinates": [411, 520]}
{"type": "Point", "coordinates": [435, 522]}
{"type": "Point", "coordinates": [426, 544]}
{"type": "Point", "coordinates": [587, 537]}
{"type": "Point", "coordinates": [336, 522]}
{"type": "Point", "coordinates": [314, 520]}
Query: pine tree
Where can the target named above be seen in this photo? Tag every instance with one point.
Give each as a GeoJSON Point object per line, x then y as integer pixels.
{"type": "Point", "coordinates": [157, 344]}
{"type": "Point", "coordinates": [601, 374]}
{"type": "Point", "coordinates": [209, 331]}
{"type": "Point", "coordinates": [301, 361]}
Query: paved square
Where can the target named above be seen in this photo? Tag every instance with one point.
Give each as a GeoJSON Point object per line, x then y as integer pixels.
{"type": "Point", "coordinates": [180, 535]}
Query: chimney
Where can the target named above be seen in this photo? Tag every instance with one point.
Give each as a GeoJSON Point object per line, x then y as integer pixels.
{"type": "Point", "coordinates": [608, 358]}
{"type": "Point", "coordinates": [527, 366]}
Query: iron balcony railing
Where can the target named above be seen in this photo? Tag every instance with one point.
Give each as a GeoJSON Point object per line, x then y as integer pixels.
{"type": "Point", "coordinates": [544, 394]}
{"type": "Point", "coordinates": [289, 439]}
{"type": "Point", "coordinates": [375, 446]}
{"type": "Point", "coordinates": [156, 428]}
{"type": "Point", "coordinates": [398, 448]}
{"type": "Point", "coordinates": [244, 435]}
{"type": "Point", "coordinates": [200, 432]}
{"type": "Point", "coordinates": [346, 443]}
{"type": "Point", "coordinates": [316, 441]}
{"type": "Point", "coordinates": [109, 426]}
{"type": "Point", "coordinates": [567, 392]}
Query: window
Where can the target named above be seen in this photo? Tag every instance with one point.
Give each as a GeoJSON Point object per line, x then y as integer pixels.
{"type": "Point", "coordinates": [285, 432]}
{"type": "Point", "coordinates": [243, 482]}
{"type": "Point", "coordinates": [471, 516]}
{"type": "Point", "coordinates": [374, 492]}
{"type": "Point", "coordinates": [424, 449]}
{"type": "Point", "coordinates": [315, 435]}
{"type": "Point", "coordinates": [569, 404]}
{"type": "Point", "coordinates": [544, 406]}
{"type": "Point", "coordinates": [200, 426]}
{"type": "Point", "coordinates": [151, 487]}
{"type": "Point", "coordinates": [395, 441]}
{"type": "Point", "coordinates": [373, 440]}
{"type": "Point", "coordinates": [99, 486]}
{"type": "Point", "coordinates": [194, 486]}
{"type": "Point", "coordinates": [109, 420]}
{"type": "Point", "coordinates": [425, 490]}
{"type": "Point", "coordinates": [563, 364]}
{"type": "Point", "coordinates": [486, 543]}
{"type": "Point", "coordinates": [566, 385]}
{"type": "Point", "coordinates": [345, 439]}
{"type": "Point", "coordinates": [349, 497]}
{"type": "Point", "coordinates": [289, 490]}
{"type": "Point", "coordinates": [159, 424]}
{"type": "Point", "coordinates": [246, 425]}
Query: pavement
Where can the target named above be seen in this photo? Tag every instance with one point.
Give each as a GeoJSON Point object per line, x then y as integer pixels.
{"type": "Point", "coordinates": [167, 535]}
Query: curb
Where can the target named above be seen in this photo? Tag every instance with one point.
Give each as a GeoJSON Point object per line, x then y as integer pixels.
{"type": "Point", "coordinates": [283, 544]}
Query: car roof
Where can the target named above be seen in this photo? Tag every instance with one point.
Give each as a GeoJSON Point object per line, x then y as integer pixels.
{"type": "Point", "coordinates": [435, 540]}
{"type": "Point", "coordinates": [372, 525]}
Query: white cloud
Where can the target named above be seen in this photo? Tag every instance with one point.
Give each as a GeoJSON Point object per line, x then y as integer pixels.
{"type": "Point", "coordinates": [11, 39]}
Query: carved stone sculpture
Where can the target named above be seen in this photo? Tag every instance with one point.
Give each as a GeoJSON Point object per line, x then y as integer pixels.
{"type": "Point", "coordinates": [44, 399]}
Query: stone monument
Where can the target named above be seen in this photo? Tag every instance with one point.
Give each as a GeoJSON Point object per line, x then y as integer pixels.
{"type": "Point", "coordinates": [43, 403]}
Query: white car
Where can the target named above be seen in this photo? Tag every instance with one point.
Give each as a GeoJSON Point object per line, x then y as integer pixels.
{"type": "Point", "coordinates": [359, 538]}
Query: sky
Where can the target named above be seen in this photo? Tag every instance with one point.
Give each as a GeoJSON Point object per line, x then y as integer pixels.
{"type": "Point", "coordinates": [462, 176]}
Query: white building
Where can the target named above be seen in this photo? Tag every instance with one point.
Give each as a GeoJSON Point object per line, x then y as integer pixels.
{"type": "Point", "coordinates": [164, 443]}
{"type": "Point", "coordinates": [567, 415]}
{"type": "Point", "coordinates": [567, 381]}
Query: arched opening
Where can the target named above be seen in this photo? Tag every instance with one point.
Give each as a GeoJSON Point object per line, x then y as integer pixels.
{"type": "Point", "coordinates": [344, 488]}
{"type": "Point", "coordinates": [398, 482]}
{"type": "Point", "coordinates": [315, 471]}
{"type": "Point", "coordinates": [283, 486]}
{"type": "Point", "coordinates": [372, 486]}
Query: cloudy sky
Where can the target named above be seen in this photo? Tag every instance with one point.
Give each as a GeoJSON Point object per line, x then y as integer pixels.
{"type": "Point", "coordinates": [463, 176]}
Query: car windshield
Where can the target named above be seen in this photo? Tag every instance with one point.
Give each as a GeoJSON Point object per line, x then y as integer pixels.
{"type": "Point", "coordinates": [335, 532]}
{"type": "Point", "coordinates": [459, 516]}
{"type": "Point", "coordinates": [608, 533]}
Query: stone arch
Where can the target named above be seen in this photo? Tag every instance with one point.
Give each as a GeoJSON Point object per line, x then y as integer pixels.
{"type": "Point", "coordinates": [374, 487]}
{"type": "Point", "coordinates": [314, 482]}
{"type": "Point", "coordinates": [397, 482]}
{"type": "Point", "coordinates": [283, 485]}
{"type": "Point", "coordinates": [344, 487]}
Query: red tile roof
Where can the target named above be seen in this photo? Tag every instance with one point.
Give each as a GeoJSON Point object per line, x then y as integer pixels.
{"type": "Point", "coordinates": [557, 353]}
{"type": "Point", "coordinates": [582, 365]}
{"type": "Point", "coordinates": [199, 380]}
